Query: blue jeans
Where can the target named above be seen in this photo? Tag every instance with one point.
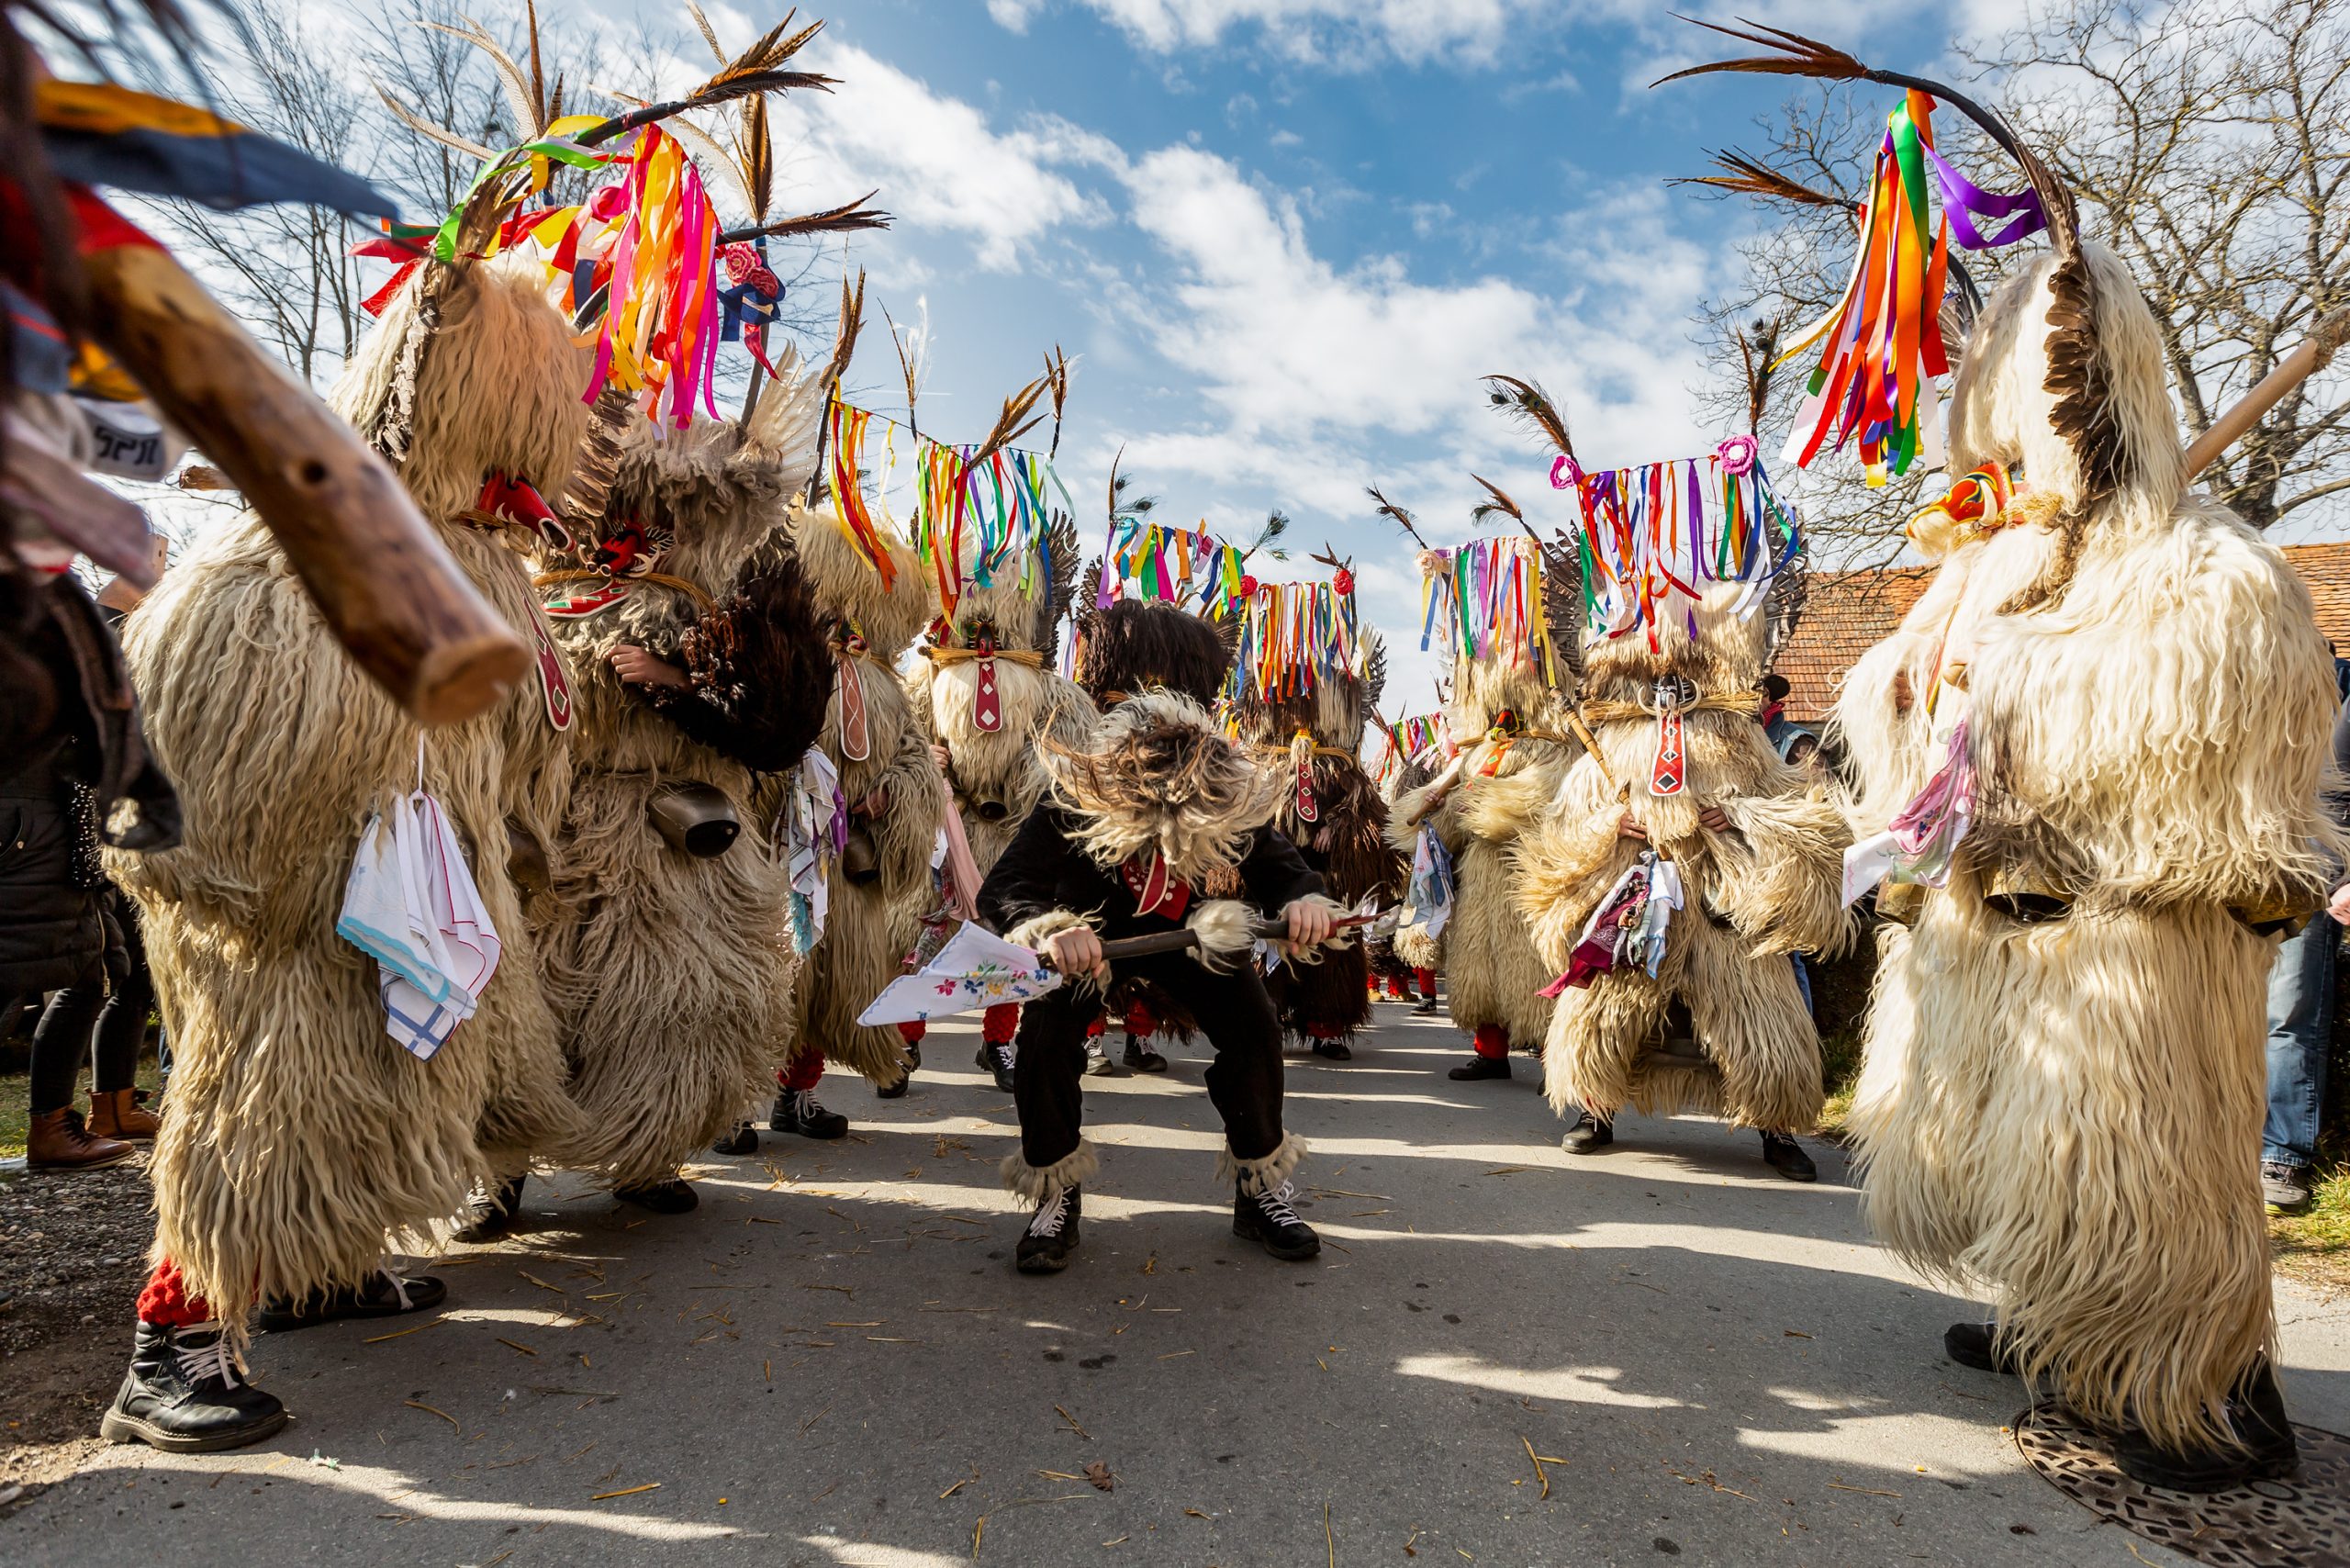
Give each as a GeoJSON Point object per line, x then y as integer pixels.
{"type": "Point", "coordinates": [2300, 1033]}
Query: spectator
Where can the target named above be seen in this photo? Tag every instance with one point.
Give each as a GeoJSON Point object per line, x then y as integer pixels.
{"type": "Point", "coordinates": [2300, 1026]}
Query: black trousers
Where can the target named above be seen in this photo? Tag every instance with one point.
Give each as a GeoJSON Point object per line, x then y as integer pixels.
{"type": "Point", "coordinates": [91, 1021]}
{"type": "Point", "coordinates": [1235, 1013]}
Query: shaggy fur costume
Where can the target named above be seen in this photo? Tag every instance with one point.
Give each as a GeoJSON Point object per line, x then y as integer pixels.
{"type": "Point", "coordinates": [870, 926]}
{"type": "Point", "coordinates": [1415, 948]}
{"type": "Point", "coordinates": [671, 974]}
{"type": "Point", "coordinates": [1346, 843]}
{"type": "Point", "coordinates": [2069, 1111]}
{"type": "Point", "coordinates": [1768, 888]}
{"type": "Point", "coordinates": [1494, 973]}
{"type": "Point", "coordinates": [301, 1138]}
{"type": "Point", "coordinates": [998, 776]}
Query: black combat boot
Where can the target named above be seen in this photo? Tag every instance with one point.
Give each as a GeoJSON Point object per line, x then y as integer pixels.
{"type": "Point", "coordinates": [186, 1394]}
{"type": "Point", "coordinates": [1051, 1235]}
{"type": "Point", "coordinates": [798, 1110]}
{"type": "Point", "coordinates": [489, 1213]}
{"type": "Point", "coordinates": [1267, 1219]}
{"type": "Point", "coordinates": [381, 1294]}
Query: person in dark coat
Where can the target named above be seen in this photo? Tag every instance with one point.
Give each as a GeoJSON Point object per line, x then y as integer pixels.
{"type": "Point", "coordinates": [78, 772]}
{"type": "Point", "coordinates": [1156, 824]}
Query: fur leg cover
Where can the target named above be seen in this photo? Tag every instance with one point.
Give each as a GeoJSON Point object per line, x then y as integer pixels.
{"type": "Point", "coordinates": [1034, 1183]}
{"type": "Point", "coordinates": [1267, 1171]}
{"type": "Point", "coordinates": [2023, 1107]}
{"type": "Point", "coordinates": [675, 997]}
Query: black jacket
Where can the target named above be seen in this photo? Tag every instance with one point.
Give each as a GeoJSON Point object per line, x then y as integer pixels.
{"type": "Point", "coordinates": [1043, 868]}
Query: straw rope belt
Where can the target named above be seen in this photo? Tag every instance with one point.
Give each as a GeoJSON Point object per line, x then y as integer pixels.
{"type": "Point", "coordinates": [943, 653]}
{"type": "Point", "coordinates": [658, 579]}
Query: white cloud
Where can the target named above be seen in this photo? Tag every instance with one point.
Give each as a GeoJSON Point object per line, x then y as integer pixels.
{"type": "Point", "coordinates": [937, 160]}
{"type": "Point", "coordinates": [1348, 33]}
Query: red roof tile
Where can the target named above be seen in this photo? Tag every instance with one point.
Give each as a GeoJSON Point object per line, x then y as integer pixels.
{"type": "Point", "coordinates": [1850, 612]}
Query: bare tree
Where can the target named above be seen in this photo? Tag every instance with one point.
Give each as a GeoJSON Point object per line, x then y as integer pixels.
{"type": "Point", "coordinates": [2208, 143]}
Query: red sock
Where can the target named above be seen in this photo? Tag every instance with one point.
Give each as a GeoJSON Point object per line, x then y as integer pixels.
{"type": "Point", "coordinates": [1493, 1041]}
{"type": "Point", "coordinates": [165, 1302]}
{"type": "Point", "coordinates": [1322, 1031]}
{"type": "Point", "coordinates": [1428, 981]}
{"type": "Point", "coordinates": [1394, 988]}
{"type": "Point", "coordinates": [1141, 1023]}
{"type": "Point", "coordinates": [805, 1069]}
{"type": "Point", "coordinates": [1098, 1028]}
{"type": "Point", "coordinates": [1000, 1025]}
{"type": "Point", "coordinates": [913, 1033]}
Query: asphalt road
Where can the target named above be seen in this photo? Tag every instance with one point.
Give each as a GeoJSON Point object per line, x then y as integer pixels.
{"type": "Point", "coordinates": [832, 1363]}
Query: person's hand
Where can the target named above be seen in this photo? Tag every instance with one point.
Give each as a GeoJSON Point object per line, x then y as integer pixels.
{"type": "Point", "coordinates": [1075, 952]}
{"type": "Point", "coordinates": [876, 804]}
{"type": "Point", "coordinates": [637, 667]}
{"type": "Point", "coordinates": [1626, 827]}
{"type": "Point", "coordinates": [1714, 819]}
{"type": "Point", "coordinates": [1310, 924]}
{"type": "Point", "coordinates": [2338, 906]}
{"type": "Point", "coordinates": [938, 755]}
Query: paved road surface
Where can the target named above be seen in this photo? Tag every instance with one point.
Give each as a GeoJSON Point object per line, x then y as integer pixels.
{"type": "Point", "coordinates": [832, 1363]}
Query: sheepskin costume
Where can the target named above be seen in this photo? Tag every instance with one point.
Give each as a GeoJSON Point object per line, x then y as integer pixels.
{"type": "Point", "coordinates": [1515, 750]}
{"type": "Point", "coordinates": [1415, 948]}
{"type": "Point", "coordinates": [302, 1139]}
{"type": "Point", "coordinates": [1002, 637]}
{"type": "Point", "coordinates": [1751, 896]}
{"type": "Point", "coordinates": [2068, 1110]}
{"type": "Point", "coordinates": [671, 973]}
{"type": "Point", "coordinates": [1312, 742]}
{"type": "Point", "coordinates": [877, 909]}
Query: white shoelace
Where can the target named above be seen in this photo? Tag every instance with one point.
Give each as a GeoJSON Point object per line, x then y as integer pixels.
{"type": "Point", "coordinates": [1275, 1205]}
{"type": "Point", "coordinates": [211, 1358]}
{"type": "Point", "coordinates": [804, 1106]}
{"type": "Point", "coordinates": [1051, 1214]}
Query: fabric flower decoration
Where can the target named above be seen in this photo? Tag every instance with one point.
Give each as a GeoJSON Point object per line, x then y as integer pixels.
{"type": "Point", "coordinates": [1737, 455]}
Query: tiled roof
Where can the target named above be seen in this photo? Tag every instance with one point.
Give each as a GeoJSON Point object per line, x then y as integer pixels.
{"type": "Point", "coordinates": [2326, 568]}
{"type": "Point", "coordinates": [1849, 612]}
{"type": "Point", "coordinates": [1845, 614]}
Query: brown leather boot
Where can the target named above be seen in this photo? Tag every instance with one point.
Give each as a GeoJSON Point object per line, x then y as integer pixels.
{"type": "Point", "coordinates": [58, 1141]}
{"type": "Point", "coordinates": [116, 1113]}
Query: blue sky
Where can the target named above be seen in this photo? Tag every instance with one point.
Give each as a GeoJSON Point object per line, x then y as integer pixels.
{"type": "Point", "coordinates": [1282, 239]}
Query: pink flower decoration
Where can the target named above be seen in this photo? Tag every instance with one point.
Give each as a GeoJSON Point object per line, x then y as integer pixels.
{"type": "Point", "coordinates": [1566, 474]}
{"type": "Point", "coordinates": [1737, 454]}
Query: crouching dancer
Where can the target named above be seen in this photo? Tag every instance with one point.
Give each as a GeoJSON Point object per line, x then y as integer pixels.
{"type": "Point", "coordinates": [1152, 814]}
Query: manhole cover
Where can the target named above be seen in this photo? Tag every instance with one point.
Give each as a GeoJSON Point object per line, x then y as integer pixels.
{"type": "Point", "coordinates": [2301, 1523]}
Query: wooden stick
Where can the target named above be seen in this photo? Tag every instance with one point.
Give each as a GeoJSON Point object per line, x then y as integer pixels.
{"type": "Point", "coordinates": [389, 589]}
{"type": "Point", "coordinates": [2296, 367]}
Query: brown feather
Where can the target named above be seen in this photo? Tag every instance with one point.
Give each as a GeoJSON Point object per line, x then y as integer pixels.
{"type": "Point", "coordinates": [1750, 177]}
{"type": "Point", "coordinates": [708, 33]}
{"type": "Point", "coordinates": [1499, 506]}
{"type": "Point", "coordinates": [848, 216]}
{"type": "Point", "coordinates": [1801, 56]}
{"type": "Point", "coordinates": [1526, 402]}
{"type": "Point", "coordinates": [757, 148]}
{"type": "Point", "coordinates": [905, 364]}
{"type": "Point", "coordinates": [1390, 510]}
{"type": "Point", "coordinates": [1008, 426]}
{"type": "Point", "coordinates": [538, 75]}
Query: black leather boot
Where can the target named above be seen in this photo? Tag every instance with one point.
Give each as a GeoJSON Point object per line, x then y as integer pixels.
{"type": "Point", "coordinates": [2256, 1411]}
{"type": "Point", "coordinates": [798, 1110]}
{"type": "Point", "coordinates": [1267, 1219]}
{"type": "Point", "coordinates": [489, 1213]}
{"type": "Point", "coordinates": [1978, 1345]}
{"type": "Point", "coordinates": [1479, 1067]}
{"type": "Point", "coordinates": [743, 1139]}
{"type": "Point", "coordinates": [1588, 1136]}
{"type": "Point", "coordinates": [1786, 1156]}
{"type": "Point", "coordinates": [1051, 1235]}
{"type": "Point", "coordinates": [997, 1061]}
{"type": "Point", "coordinates": [186, 1394]}
{"type": "Point", "coordinates": [381, 1294]}
{"type": "Point", "coordinates": [1142, 1058]}
{"type": "Point", "coordinates": [673, 1196]}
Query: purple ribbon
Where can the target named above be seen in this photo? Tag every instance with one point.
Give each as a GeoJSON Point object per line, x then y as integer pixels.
{"type": "Point", "coordinates": [1963, 201]}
